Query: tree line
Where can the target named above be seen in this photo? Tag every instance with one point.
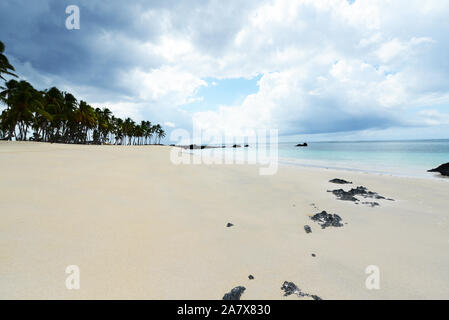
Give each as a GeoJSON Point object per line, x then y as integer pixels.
{"type": "Point", "coordinates": [52, 115]}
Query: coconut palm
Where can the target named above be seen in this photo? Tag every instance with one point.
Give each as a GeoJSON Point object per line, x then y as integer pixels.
{"type": "Point", "coordinates": [5, 66]}
{"type": "Point", "coordinates": [55, 116]}
{"type": "Point", "coordinates": [21, 100]}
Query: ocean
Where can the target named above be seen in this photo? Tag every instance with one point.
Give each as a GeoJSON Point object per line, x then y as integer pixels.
{"type": "Point", "coordinates": [402, 158]}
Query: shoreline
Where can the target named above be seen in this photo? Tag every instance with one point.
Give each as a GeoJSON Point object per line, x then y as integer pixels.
{"type": "Point", "coordinates": [290, 162]}
{"type": "Point", "coordinates": [433, 176]}
{"type": "Point", "coordinates": [283, 161]}
{"type": "Point", "coordinates": [140, 227]}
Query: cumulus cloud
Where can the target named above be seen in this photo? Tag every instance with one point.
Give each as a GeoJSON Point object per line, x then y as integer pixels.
{"type": "Point", "coordinates": [167, 83]}
{"type": "Point", "coordinates": [324, 66]}
{"type": "Point", "coordinates": [339, 66]}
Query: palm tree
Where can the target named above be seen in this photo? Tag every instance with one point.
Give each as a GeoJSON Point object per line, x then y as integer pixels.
{"type": "Point", "coordinates": [153, 132]}
{"type": "Point", "coordinates": [69, 107]}
{"type": "Point", "coordinates": [147, 131]}
{"type": "Point", "coordinates": [85, 119]}
{"type": "Point", "coordinates": [160, 133]}
{"type": "Point", "coordinates": [42, 120]}
{"type": "Point", "coordinates": [6, 125]}
{"type": "Point", "coordinates": [54, 105]}
{"type": "Point", "coordinates": [118, 130]}
{"type": "Point", "coordinates": [21, 100]}
{"type": "Point", "coordinates": [5, 66]}
{"type": "Point", "coordinates": [56, 116]}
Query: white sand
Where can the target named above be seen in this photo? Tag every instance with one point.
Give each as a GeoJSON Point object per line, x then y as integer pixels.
{"type": "Point", "coordinates": [140, 227]}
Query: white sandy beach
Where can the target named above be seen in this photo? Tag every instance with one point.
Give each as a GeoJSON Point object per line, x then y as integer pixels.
{"type": "Point", "coordinates": [140, 227]}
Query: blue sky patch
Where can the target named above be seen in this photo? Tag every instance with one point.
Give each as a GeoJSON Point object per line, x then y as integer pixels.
{"type": "Point", "coordinates": [221, 92]}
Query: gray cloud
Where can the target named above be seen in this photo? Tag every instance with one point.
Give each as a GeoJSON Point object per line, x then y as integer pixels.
{"type": "Point", "coordinates": [127, 54]}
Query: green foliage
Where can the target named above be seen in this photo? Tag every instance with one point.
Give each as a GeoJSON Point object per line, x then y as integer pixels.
{"type": "Point", "coordinates": [55, 116]}
{"type": "Point", "coordinates": [5, 66]}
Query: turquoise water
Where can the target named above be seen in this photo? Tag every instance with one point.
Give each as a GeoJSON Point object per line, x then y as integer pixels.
{"type": "Point", "coordinates": [404, 158]}
{"type": "Point", "coordinates": [408, 158]}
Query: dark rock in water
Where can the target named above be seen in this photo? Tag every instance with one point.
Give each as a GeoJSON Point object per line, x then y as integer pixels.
{"type": "Point", "coordinates": [203, 147]}
{"type": "Point", "coordinates": [359, 191]}
{"type": "Point", "coordinates": [236, 146]}
{"type": "Point", "coordinates": [246, 145]}
{"type": "Point", "coordinates": [327, 219]}
{"type": "Point", "coordinates": [290, 288]}
{"type": "Point", "coordinates": [443, 169]}
{"type": "Point", "coordinates": [307, 229]}
{"type": "Point", "coordinates": [192, 146]}
{"type": "Point", "coordinates": [172, 145]}
{"type": "Point", "coordinates": [339, 181]}
{"type": "Point", "coordinates": [302, 144]}
{"type": "Point", "coordinates": [229, 225]}
{"type": "Point", "coordinates": [250, 277]}
{"type": "Point", "coordinates": [235, 293]}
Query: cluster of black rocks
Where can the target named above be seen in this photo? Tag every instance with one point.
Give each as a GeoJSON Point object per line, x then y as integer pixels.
{"type": "Point", "coordinates": [359, 191]}
{"type": "Point", "coordinates": [290, 288]}
{"type": "Point", "coordinates": [195, 147]}
{"type": "Point", "coordinates": [327, 220]}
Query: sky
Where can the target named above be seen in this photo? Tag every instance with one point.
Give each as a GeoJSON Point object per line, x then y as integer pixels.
{"type": "Point", "coordinates": [312, 69]}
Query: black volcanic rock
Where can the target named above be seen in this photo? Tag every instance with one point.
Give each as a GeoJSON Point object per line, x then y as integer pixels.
{"type": "Point", "coordinates": [339, 181]}
{"type": "Point", "coordinates": [307, 229]}
{"type": "Point", "coordinates": [443, 169]}
{"type": "Point", "coordinates": [234, 294]}
{"type": "Point", "coordinates": [200, 147]}
{"type": "Point", "coordinates": [345, 195]}
{"type": "Point", "coordinates": [301, 144]}
{"type": "Point", "coordinates": [327, 219]}
{"type": "Point", "coordinates": [359, 191]}
{"type": "Point", "coordinates": [251, 277]}
{"type": "Point", "coordinates": [229, 225]}
{"type": "Point", "coordinates": [290, 288]}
